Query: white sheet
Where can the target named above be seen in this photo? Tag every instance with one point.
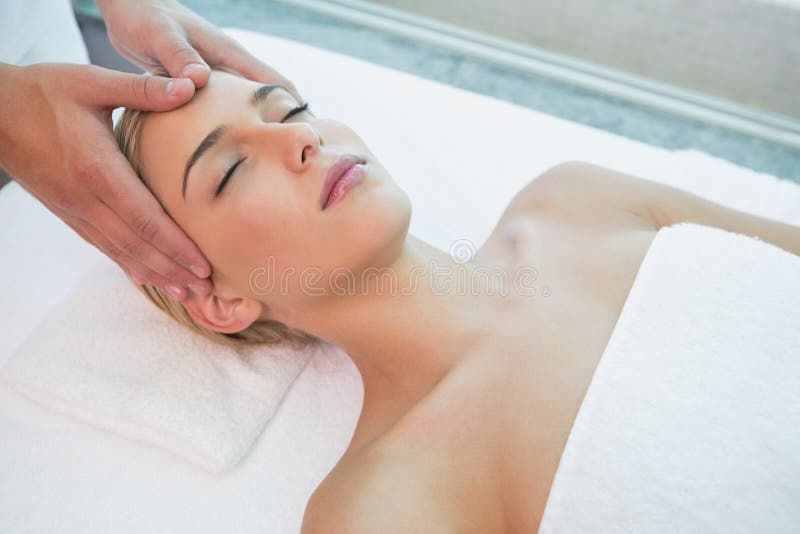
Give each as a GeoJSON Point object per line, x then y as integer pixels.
{"type": "Point", "coordinates": [470, 155]}
{"type": "Point", "coordinates": [692, 420]}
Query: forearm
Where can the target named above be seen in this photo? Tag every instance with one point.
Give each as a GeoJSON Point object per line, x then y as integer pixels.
{"type": "Point", "coordinates": [677, 206]}
{"type": "Point", "coordinates": [663, 205]}
{"type": "Point", "coordinates": [12, 89]}
{"type": "Point", "coordinates": [7, 80]}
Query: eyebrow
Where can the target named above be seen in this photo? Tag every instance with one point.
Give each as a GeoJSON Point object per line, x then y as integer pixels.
{"type": "Point", "coordinates": [257, 97]}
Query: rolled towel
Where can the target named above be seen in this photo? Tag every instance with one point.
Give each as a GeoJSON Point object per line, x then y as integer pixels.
{"type": "Point", "coordinates": [107, 356]}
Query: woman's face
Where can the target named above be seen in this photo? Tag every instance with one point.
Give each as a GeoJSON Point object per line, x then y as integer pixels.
{"type": "Point", "coordinates": [269, 209]}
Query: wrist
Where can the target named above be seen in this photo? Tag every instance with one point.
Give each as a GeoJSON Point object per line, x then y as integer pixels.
{"type": "Point", "coordinates": [102, 5]}
{"type": "Point", "coordinates": [22, 106]}
{"type": "Point", "coordinates": [9, 93]}
{"type": "Point", "coordinates": [7, 70]}
{"type": "Point", "coordinates": [13, 82]}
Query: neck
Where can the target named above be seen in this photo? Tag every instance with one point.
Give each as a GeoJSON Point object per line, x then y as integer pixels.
{"type": "Point", "coordinates": [404, 338]}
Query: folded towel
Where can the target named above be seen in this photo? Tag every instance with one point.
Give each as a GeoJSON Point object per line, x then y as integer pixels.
{"type": "Point", "coordinates": [107, 356]}
{"type": "Point", "coordinates": [691, 421]}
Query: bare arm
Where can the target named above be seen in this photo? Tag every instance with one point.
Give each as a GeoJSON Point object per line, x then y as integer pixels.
{"type": "Point", "coordinates": [586, 187]}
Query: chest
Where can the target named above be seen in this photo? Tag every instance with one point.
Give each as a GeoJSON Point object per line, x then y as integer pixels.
{"type": "Point", "coordinates": [556, 347]}
{"type": "Point", "coordinates": [508, 414]}
{"type": "Point", "coordinates": [488, 442]}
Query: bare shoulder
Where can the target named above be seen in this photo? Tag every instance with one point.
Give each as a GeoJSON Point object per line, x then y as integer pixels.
{"type": "Point", "coordinates": [580, 189]}
{"type": "Point", "coordinates": [577, 198]}
{"type": "Point", "coordinates": [584, 191]}
{"type": "Point", "coordinates": [380, 493]}
{"type": "Point", "coordinates": [580, 192]}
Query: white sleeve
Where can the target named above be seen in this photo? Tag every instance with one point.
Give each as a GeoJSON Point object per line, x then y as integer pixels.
{"type": "Point", "coordinates": [32, 31]}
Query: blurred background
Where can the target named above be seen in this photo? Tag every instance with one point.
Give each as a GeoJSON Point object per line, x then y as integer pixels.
{"type": "Point", "coordinates": [721, 76]}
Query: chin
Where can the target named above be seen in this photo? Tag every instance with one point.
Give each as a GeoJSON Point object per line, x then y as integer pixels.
{"type": "Point", "coordinates": [379, 230]}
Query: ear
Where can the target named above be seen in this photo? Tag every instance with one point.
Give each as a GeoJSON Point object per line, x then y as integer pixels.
{"type": "Point", "coordinates": [222, 314]}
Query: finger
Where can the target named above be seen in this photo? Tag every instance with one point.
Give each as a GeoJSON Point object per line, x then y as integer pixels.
{"type": "Point", "coordinates": [181, 59]}
{"type": "Point", "coordinates": [135, 269]}
{"type": "Point", "coordinates": [99, 241]}
{"type": "Point", "coordinates": [140, 91]}
{"type": "Point", "coordinates": [127, 197]}
{"type": "Point", "coordinates": [154, 279]}
{"type": "Point", "coordinates": [84, 231]}
{"type": "Point", "coordinates": [165, 271]}
{"type": "Point", "coordinates": [226, 52]}
{"type": "Point", "coordinates": [140, 273]}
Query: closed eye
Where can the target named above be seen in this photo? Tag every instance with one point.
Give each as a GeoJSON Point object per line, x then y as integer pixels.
{"type": "Point", "coordinates": [227, 176]}
{"type": "Point", "coordinates": [232, 168]}
{"type": "Point", "coordinates": [295, 111]}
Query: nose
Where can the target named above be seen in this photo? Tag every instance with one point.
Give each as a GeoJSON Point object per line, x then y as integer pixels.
{"type": "Point", "coordinates": [294, 144]}
{"type": "Point", "coordinates": [310, 144]}
{"type": "Point", "coordinates": [300, 144]}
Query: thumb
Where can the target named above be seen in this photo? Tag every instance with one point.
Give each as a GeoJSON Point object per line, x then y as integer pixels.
{"type": "Point", "coordinates": [181, 59]}
{"type": "Point", "coordinates": [143, 91]}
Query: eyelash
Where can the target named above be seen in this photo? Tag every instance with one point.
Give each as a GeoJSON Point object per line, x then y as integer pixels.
{"type": "Point", "coordinates": [232, 168]}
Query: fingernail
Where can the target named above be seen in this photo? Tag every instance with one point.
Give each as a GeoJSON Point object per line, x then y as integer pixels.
{"type": "Point", "coordinates": [198, 271]}
{"type": "Point", "coordinates": [191, 68]}
{"type": "Point", "coordinates": [174, 291]}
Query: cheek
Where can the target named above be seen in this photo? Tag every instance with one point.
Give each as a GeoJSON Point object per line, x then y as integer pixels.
{"type": "Point", "coordinates": [239, 236]}
{"type": "Point", "coordinates": [269, 227]}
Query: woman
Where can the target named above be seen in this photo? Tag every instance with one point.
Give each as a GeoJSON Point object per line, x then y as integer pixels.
{"type": "Point", "coordinates": [469, 397]}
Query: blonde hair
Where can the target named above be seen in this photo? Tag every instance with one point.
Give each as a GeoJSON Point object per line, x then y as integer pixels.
{"type": "Point", "coordinates": [127, 132]}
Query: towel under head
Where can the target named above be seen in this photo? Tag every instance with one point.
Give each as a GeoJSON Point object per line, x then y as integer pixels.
{"type": "Point", "coordinates": [106, 355]}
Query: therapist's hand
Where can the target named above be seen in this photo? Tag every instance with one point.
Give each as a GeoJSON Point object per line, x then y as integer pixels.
{"type": "Point", "coordinates": [155, 33]}
{"type": "Point", "coordinates": [56, 141]}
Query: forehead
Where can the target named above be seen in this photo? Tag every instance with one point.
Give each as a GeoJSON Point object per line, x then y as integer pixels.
{"type": "Point", "coordinates": [167, 139]}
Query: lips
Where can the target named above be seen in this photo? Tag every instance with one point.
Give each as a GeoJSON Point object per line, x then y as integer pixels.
{"type": "Point", "coordinates": [335, 172]}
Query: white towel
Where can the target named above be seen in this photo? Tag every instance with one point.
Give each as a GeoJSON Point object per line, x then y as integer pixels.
{"type": "Point", "coordinates": [107, 356]}
{"type": "Point", "coordinates": [692, 419]}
